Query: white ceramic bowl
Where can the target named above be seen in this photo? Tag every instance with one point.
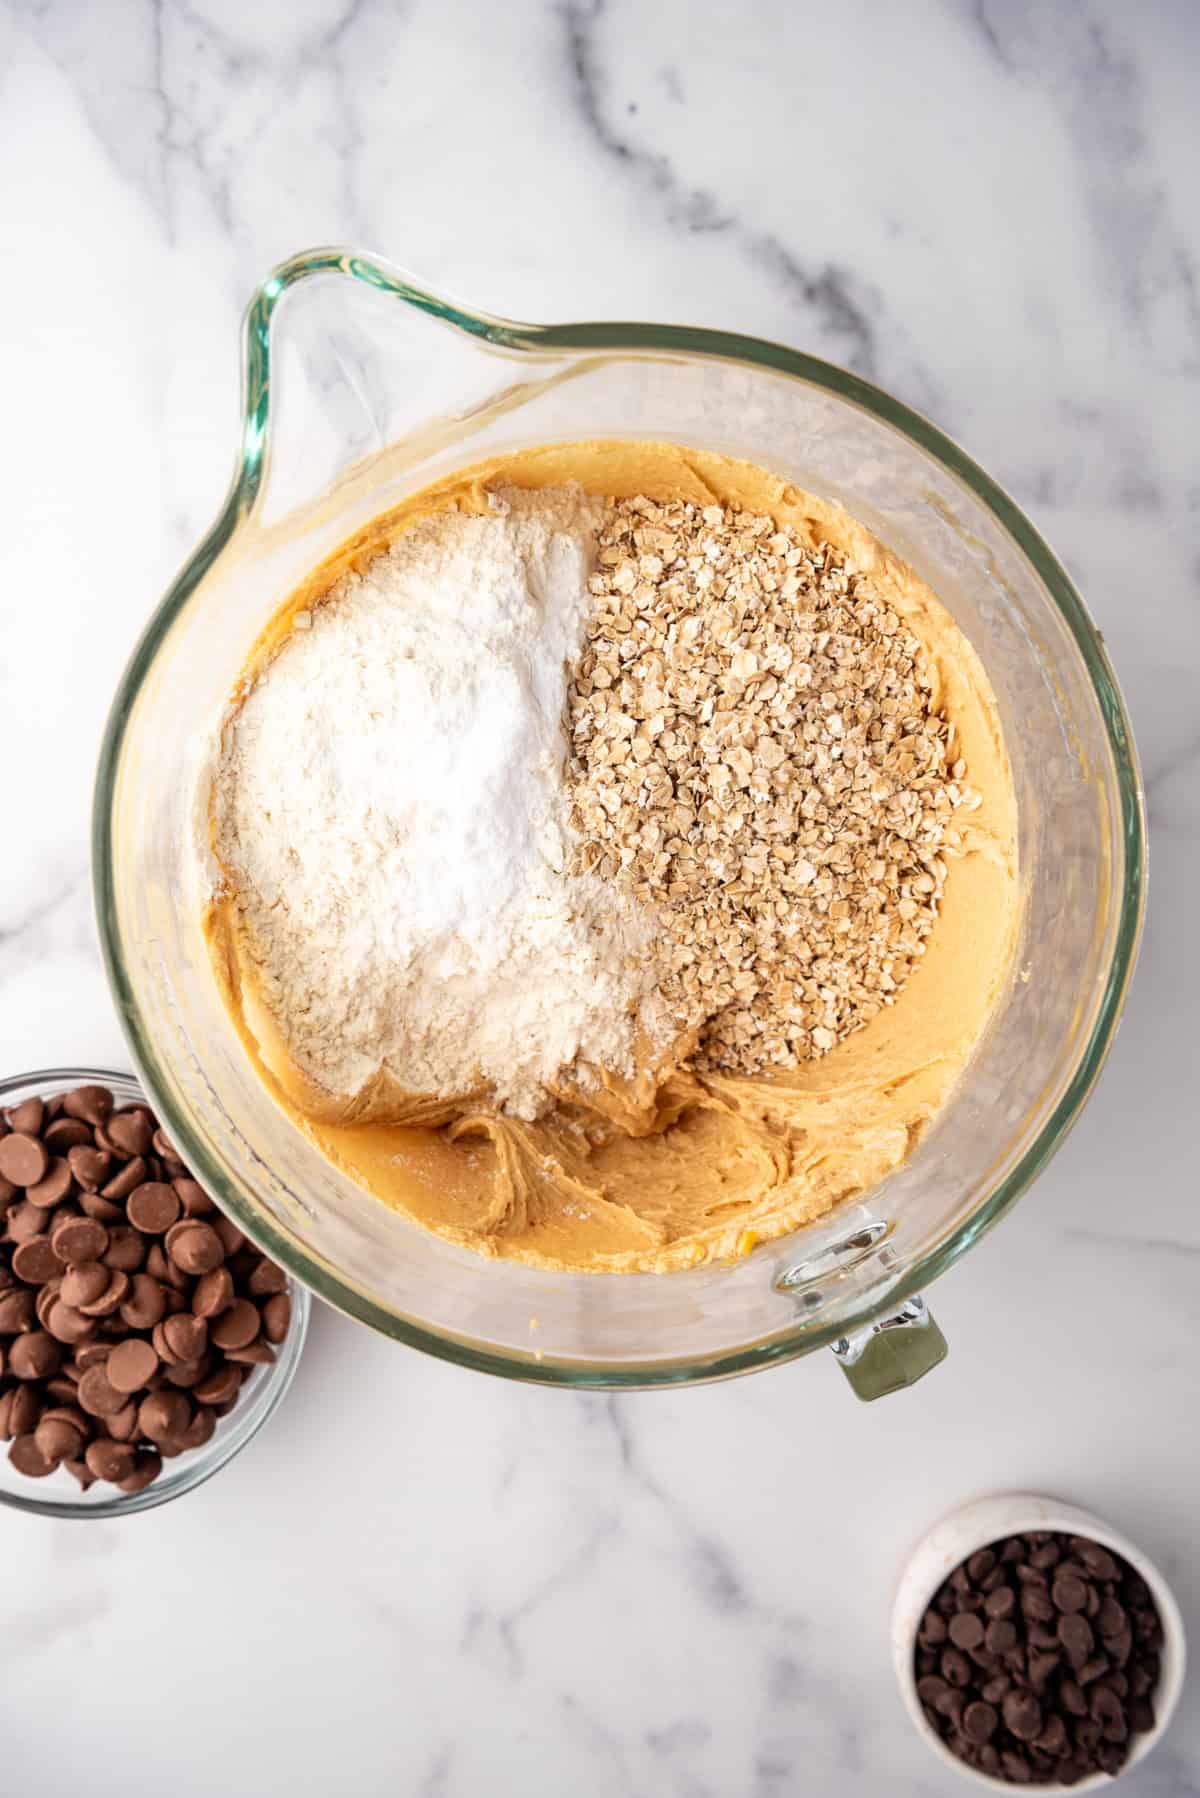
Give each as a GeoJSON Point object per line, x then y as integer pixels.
{"type": "Point", "coordinates": [975, 1526]}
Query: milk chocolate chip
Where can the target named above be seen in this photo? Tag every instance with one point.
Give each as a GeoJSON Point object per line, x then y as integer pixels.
{"type": "Point", "coordinates": [23, 1159]}
{"type": "Point", "coordinates": [152, 1308]}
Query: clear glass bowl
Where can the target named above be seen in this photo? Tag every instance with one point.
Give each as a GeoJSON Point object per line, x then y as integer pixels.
{"type": "Point", "coordinates": [58, 1495]}
{"type": "Point", "coordinates": [361, 386]}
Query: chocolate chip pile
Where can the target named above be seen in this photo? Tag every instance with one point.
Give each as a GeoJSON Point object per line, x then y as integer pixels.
{"type": "Point", "coordinates": [1039, 1658]}
{"type": "Point", "coordinates": [131, 1311]}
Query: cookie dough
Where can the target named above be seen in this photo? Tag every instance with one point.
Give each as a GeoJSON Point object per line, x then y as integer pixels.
{"type": "Point", "coordinates": [674, 1168]}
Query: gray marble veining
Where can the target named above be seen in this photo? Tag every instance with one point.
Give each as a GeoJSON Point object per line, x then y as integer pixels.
{"type": "Point", "coordinates": [420, 1581]}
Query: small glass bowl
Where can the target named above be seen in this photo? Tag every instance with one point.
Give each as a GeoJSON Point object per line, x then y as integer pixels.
{"type": "Point", "coordinates": [984, 1521]}
{"type": "Point", "coordinates": [58, 1495]}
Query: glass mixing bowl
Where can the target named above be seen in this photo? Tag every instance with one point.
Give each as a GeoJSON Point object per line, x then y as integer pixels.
{"type": "Point", "coordinates": [360, 386]}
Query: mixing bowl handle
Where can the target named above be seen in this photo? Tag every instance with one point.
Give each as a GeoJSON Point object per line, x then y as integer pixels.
{"type": "Point", "coordinates": [893, 1352]}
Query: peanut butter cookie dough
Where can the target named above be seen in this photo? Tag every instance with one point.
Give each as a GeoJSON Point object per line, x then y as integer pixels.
{"type": "Point", "coordinates": [837, 1029]}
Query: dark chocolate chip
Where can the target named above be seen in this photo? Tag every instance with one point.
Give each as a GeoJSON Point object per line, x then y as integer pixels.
{"type": "Point", "coordinates": [966, 1630]}
{"type": "Point", "coordinates": [1112, 1617]}
{"type": "Point", "coordinates": [1106, 1709]}
{"type": "Point", "coordinates": [1075, 1634]}
{"type": "Point", "coordinates": [1087, 1735]}
{"type": "Point", "coordinates": [980, 1720]}
{"type": "Point", "coordinates": [1069, 1593]}
{"type": "Point", "coordinates": [1097, 1560]}
{"type": "Point", "coordinates": [1041, 1669]}
{"type": "Point", "coordinates": [1141, 1715]}
{"type": "Point", "coordinates": [981, 1563]}
{"type": "Point", "coordinates": [1036, 1604]}
{"type": "Point", "coordinates": [956, 1668]}
{"type": "Point", "coordinates": [1053, 1739]}
{"type": "Point", "coordinates": [1022, 1715]}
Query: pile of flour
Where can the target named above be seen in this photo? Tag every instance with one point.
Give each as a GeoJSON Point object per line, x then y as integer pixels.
{"type": "Point", "coordinates": [387, 806]}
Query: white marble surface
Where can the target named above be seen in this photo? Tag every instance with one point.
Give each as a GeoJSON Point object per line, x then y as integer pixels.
{"type": "Point", "coordinates": [423, 1581]}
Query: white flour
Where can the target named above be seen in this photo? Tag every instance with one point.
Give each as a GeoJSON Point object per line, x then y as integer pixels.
{"type": "Point", "coordinates": [387, 803]}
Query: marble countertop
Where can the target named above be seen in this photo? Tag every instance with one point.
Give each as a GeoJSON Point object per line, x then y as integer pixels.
{"type": "Point", "coordinates": [423, 1581]}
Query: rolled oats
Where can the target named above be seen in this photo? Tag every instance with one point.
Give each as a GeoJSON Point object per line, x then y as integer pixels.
{"type": "Point", "coordinates": [755, 754]}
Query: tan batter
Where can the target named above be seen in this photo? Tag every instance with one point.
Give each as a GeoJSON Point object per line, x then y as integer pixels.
{"type": "Point", "coordinates": [675, 1168]}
